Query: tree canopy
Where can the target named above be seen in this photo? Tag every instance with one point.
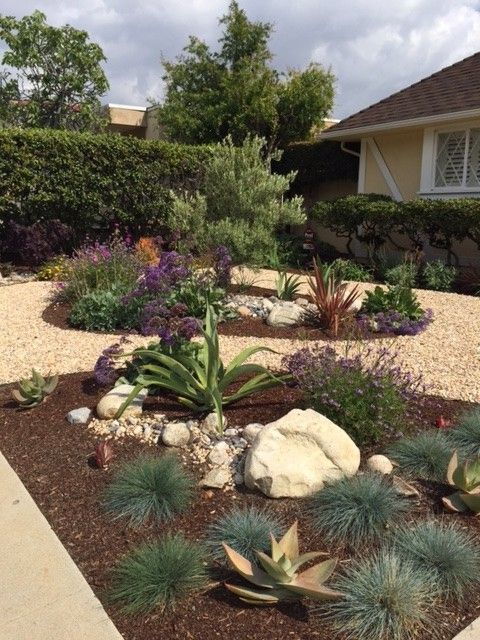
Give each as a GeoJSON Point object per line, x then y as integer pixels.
{"type": "Point", "coordinates": [52, 75]}
{"type": "Point", "coordinates": [234, 91]}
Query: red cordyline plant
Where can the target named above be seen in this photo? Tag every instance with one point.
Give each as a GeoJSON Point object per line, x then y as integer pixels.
{"type": "Point", "coordinates": [103, 454]}
{"type": "Point", "coordinates": [333, 298]}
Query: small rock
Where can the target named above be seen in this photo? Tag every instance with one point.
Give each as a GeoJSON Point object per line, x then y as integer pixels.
{"type": "Point", "coordinates": [285, 315]}
{"type": "Point", "coordinates": [147, 431]}
{"type": "Point", "coordinates": [210, 424]}
{"type": "Point", "coordinates": [404, 488]}
{"type": "Point", "coordinates": [219, 454]}
{"type": "Point", "coordinates": [138, 430]}
{"type": "Point", "coordinates": [380, 464]}
{"type": "Point", "coordinates": [302, 302]}
{"type": "Point", "coordinates": [175, 434]}
{"type": "Point", "coordinates": [244, 311]}
{"type": "Point", "coordinates": [120, 431]}
{"type": "Point", "coordinates": [267, 304]}
{"type": "Point", "coordinates": [79, 416]}
{"type": "Point", "coordinates": [230, 433]}
{"type": "Point", "coordinates": [238, 478]}
{"type": "Point", "coordinates": [216, 478]}
{"type": "Point", "coordinates": [113, 400]}
{"type": "Point", "coordinates": [251, 431]}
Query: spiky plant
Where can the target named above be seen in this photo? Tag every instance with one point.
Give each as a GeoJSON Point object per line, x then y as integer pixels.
{"type": "Point", "coordinates": [149, 487]}
{"type": "Point", "coordinates": [465, 437]}
{"type": "Point", "coordinates": [158, 574]}
{"type": "Point", "coordinates": [466, 478]}
{"type": "Point", "coordinates": [423, 456]}
{"type": "Point", "coordinates": [33, 391]}
{"type": "Point", "coordinates": [279, 579]}
{"type": "Point", "coordinates": [245, 530]}
{"type": "Point", "coordinates": [444, 549]}
{"type": "Point", "coordinates": [385, 597]}
{"type": "Point", "coordinates": [357, 509]}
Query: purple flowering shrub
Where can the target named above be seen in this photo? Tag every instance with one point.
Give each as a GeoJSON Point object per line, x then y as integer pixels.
{"type": "Point", "coordinates": [395, 322]}
{"type": "Point", "coordinates": [34, 244]}
{"type": "Point", "coordinates": [366, 394]}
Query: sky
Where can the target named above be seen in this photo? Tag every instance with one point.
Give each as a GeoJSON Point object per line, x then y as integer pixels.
{"type": "Point", "coordinates": [374, 47]}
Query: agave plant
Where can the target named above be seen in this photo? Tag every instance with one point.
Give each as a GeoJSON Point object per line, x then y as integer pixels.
{"type": "Point", "coordinates": [287, 286]}
{"type": "Point", "coordinates": [334, 300]}
{"type": "Point", "coordinates": [466, 478]}
{"type": "Point", "coordinates": [103, 454]}
{"type": "Point", "coordinates": [200, 382]}
{"type": "Point", "coordinates": [33, 391]}
{"type": "Point", "coordinates": [278, 578]}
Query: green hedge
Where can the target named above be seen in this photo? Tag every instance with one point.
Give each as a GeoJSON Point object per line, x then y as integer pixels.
{"type": "Point", "coordinates": [373, 219]}
{"type": "Point", "coordinates": [88, 181]}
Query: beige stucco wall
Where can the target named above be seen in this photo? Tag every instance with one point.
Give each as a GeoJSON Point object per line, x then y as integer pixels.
{"type": "Point", "coordinates": [402, 153]}
{"type": "Point", "coordinates": [127, 117]}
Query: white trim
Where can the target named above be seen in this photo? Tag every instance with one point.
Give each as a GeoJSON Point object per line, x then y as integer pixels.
{"type": "Point", "coordinates": [362, 166]}
{"type": "Point", "coordinates": [128, 107]}
{"type": "Point", "coordinates": [384, 170]}
{"type": "Point", "coordinates": [400, 124]}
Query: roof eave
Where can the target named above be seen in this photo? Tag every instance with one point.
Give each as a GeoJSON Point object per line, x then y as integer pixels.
{"type": "Point", "coordinates": [356, 133]}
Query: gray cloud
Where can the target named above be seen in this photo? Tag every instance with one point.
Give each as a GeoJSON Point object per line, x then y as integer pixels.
{"type": "Point", "coordinates": [374, 48]}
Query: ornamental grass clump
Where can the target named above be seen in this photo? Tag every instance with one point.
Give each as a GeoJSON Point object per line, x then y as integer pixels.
{"type": "Point", "coordinates": [365, 392]}
{"type": "Point", "coordinates": [149, 488]}
{"type": "Point", "coordinates": [443, 548]}
{"type": "Point", "coordinates": [425, 455]}
{"type": "Point", "coordinates": [356, 510]}
{"type": "Point", "coordinates": [159, 574]}
{"type": "Point", "coordinates": [245, 530]}
{"type": "Point", "coordinates": [385, 598]}
{"type": "Point", "coordinates": [465, 436]}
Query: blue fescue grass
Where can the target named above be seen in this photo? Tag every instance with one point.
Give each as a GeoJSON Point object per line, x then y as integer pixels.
{"type": "Point", "coordinates": [356, 510]}
{"type": "Point", "coordinates": [465, 436]}
{"type": "Point", "coordinates": [149, 488]}
{"type": "Point", "coordinates": [158, 574]}
{"type": "Point", "coordinates": [423, 456]}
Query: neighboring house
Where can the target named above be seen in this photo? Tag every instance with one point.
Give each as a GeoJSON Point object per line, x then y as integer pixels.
{"type": "Point", "coordinates": [423, 141]}
{"type": "Point", "coordinates": [129, 120]}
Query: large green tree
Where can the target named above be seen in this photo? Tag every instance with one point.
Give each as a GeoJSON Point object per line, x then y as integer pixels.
{"type": "Point", "coordinates": [52, 75]}
{"type": "Point", "coordinates": [234, 91]}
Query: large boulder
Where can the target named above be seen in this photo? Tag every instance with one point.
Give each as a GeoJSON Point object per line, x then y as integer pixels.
{"type": "Point", "coordinates": [296, 455]}
{"type": "Point", "coordinates": [113, 400]}
{"type": "Point", "coordinates": [285, 315]}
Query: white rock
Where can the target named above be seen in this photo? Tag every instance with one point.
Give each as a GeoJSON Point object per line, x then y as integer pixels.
{"type": "Point", "coordinates": [285, 315]}
{"type": "Point", "coordinates": [216, 478]}
{"type": "Point", "coordinates": [296, 455]}
{"type": "Point", "coordinates": [230, 433]}
{"type": "Point", "coordinates": [244, 311]}
{"type": "Point", "coordinates": [380, 464]}
{"type": "Point", "coordinates": [138, 430]}
{"type": "Point", "coordinates": [175, 434]}
{"type": "Point", "coordinates": [219, 454]}
{"type": "Point", "coordinates": [210, 424]}
{"type": "Point", "coordinates": [251, 431]}
{"type": "Point", "coordinates": [302, 302]}
{"type": "Point", "coordinates": [79, 416]}
{"type": "Point", "coordinates": [113, 400]}
{"type": "Point", "coordinates": [267, 304]}
{"type": "Point", "coordinates": [147, 431]}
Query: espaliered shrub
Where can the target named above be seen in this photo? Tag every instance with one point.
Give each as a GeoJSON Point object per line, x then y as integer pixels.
{"type": "Point", "coordinates": [88, 181]}
{"type": "Point", "coordinates": [373, 219]}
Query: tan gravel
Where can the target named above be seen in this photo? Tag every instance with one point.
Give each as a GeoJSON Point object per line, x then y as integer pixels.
{"type": "Point", "coordinates": [447, 353]}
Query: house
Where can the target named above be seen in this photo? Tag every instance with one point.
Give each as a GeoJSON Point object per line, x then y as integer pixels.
{"type": "Point", "coordinates": [130, 120]}
{"type": "Point", "coordinates": [421, 142]}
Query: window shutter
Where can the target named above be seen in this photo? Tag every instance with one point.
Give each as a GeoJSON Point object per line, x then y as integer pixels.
{"type": "Point", "coordinates": [473, 160]}
{"type": "Point", "coordinates": [450, 158]}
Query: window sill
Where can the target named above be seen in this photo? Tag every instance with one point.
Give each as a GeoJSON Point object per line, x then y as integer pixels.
{"type": "Point", "coordinates": [439, 195]}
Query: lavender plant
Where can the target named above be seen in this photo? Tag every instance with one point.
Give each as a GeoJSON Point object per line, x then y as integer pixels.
{"type": "Point", "coordinates": [366, 393]}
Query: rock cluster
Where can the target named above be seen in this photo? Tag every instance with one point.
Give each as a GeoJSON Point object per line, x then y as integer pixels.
{"type": "Point", "coordinates": [276, 312]}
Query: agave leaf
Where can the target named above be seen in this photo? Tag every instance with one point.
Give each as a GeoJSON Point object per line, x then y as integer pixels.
{"type": "Point", "coordinates": [289, 542]}
{"type": "Point", "coordinates": [472, 501]}
{"type": "Point", "coordinates": [253, 596]}
{"type": "Point", "coordinates": [454, 503]}
{"type": "Point", "coordinates": [247, 569]}
{"type": "Point", "coordinates": [306, 557]}
{"type": "Point", "coordinates": [273, 568]}
{"type": "Point", "coordinates": [16, 395]}
{"type": "Point", "coordinates": [319, 573]}
{"type": "Point", "coordinates": [38, 380]}
{"type": "Point", "coordinates": [50, 384]}
{"type": "Point", "coordinates": [314, 591]}
{"type": "Point", "coordinates": [459, 477]}
{"type": "Point", "coordinates": [472, 473]}
{"type": "Point", "coordinates": [277, 551]}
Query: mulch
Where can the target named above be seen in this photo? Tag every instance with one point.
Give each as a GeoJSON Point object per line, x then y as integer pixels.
{"type": "Point", "coordinates": [51, 458]}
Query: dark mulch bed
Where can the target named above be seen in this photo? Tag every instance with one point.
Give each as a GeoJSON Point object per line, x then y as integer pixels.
{"type": "Point", "coordinates": [51, 456]}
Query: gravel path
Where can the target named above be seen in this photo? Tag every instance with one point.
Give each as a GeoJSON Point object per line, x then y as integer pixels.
{"type": "Point", "coordinates": [447, 353]}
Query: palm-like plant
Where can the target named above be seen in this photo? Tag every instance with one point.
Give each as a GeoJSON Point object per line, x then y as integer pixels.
{"type": "Point", "coordinates": [333, 298]}
{"type": "Point", "coordinates": [200, 382]}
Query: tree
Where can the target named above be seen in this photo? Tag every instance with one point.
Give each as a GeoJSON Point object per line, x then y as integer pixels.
{"type": "Point", "coordinates": [234, 91]}
{"type": "Point", "coordinates": [58, 79]}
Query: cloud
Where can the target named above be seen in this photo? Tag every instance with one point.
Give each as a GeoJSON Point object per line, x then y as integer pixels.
{"type": "Point", "coordinates": [373, 47]}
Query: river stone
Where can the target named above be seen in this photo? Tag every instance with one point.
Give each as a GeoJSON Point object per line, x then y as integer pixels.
{"type": "Point", "coordinates": [79, 416]}
{"type": "Point", "coordinates": [175, 434]}
{"type": "Point", "coordinates": [285, 315]}
{"type": "Point", "coordinates": [295, 455]}
{"type": "Point", "coordinates": [219, 455]}
{"type": "Point", "coordinates": [210, 424]}
{"type": "Point", "coordinates": [216, 478]}
{"type": "Point", "coordinates": [380, 464]}
{"type": "Point", "coordinates": [113, 400]}
{"type": "Point", "coordinates": [251, 431]}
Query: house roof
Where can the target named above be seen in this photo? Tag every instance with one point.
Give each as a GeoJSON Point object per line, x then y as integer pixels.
{"type": "Point", "coordinates": [454, 89]}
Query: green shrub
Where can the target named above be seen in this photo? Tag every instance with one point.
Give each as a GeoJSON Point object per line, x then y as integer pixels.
{"type": "Point", "coordinates": [158, 574]}
{"type": "Point", "coordinates": [439, 276]}
{"type": "Point", "coordinates": [444, 549]}
{"type": "Point", "coordinates": [149, 487]}
{"type": "Point", "coordinates": [404, 274]}
{"type": "Point", "coordinates": [397, 298]}
{"type": "Point", "coordinates": [90, 181]}
{"type": "Point", "coordinates": [350, 270]}
{"type": "Point", "coordinates": [466, 435]}
{"type": "Point", "coordinates": [356, 510]}
{"type": "Point", "coordinates": [423, 456]}
{"type": "Point", "coordinates": [245, 530]}
{"type": "Point", "coordinates": [104, 310]}
{"type": "Point", "coordinates": [385, 597]}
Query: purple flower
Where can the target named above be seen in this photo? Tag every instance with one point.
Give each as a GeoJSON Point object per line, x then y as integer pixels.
{"type": "Point", "coordinates": [104, 372]}
{"type": "Point", "coordinates": [222, 266]}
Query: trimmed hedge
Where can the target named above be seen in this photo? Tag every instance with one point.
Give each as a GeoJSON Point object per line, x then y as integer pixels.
{"type": "Point", "coordinates": [89, 181]}
{"type": "Point", "coordinates": [373, 219]}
